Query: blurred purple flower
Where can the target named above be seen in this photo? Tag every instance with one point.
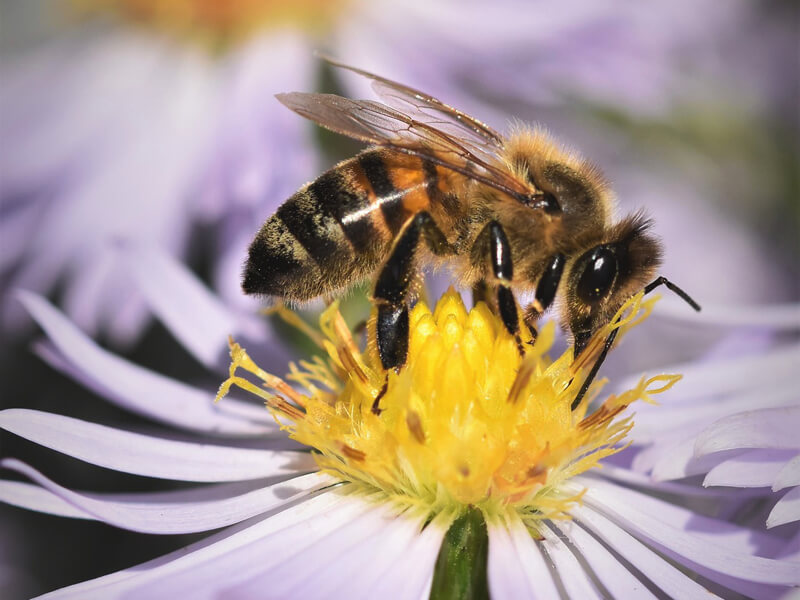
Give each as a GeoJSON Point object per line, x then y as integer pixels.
{"type": "Point", "coordinates": [280, 517]}
{"type": "Point", "coordinates": [124, 134]}
{"type": "Point", "coordinates": [138, 138]}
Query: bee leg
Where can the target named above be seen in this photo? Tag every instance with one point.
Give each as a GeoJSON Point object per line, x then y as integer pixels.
{"type": "Point", "coordinates": [545, 292]}
{"type": "Point", "coordinates": [394, 282]}
{"type": "Point", "coordinates": [481, 293]}
{"type": "Point", "coordinates": [503, 270]}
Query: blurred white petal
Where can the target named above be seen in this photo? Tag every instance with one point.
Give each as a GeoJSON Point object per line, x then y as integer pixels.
{"type": "Point", "coordinates": [788, 476]}
{"type": "Point", "coordinates": [767, 428]}
{"type": "Point", "coordinates": [138, 389]}
{"type": "Point", "coordinates": [33, 497]}
{"type": "Point", "coordinates": [753, 468]}
{"type": "Point", "coordinates": [786, 510]}
{"type": "Point", "coordinates": [195, 316]}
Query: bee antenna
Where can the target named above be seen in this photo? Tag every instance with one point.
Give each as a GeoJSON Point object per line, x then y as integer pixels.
{"type": "Point", "coordinates": [595, 368]}
{"type": "Point", "coordinates": [672, 287]}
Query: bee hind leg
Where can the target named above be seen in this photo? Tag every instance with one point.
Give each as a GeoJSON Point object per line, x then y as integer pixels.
{"type": "Point", "coordinates": [395, 281]}
{"type": "Point", "coordinates": [482, 292]}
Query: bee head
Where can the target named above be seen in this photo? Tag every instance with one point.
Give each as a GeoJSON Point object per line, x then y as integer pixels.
{"type": "Point", "coordinates": [600, 280]}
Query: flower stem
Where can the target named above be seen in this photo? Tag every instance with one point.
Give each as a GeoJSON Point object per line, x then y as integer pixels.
{"type": "Point", "coordinates": [460, 571]}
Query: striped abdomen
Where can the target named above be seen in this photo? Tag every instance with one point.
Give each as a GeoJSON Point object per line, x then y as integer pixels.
{"type": "Point", "coordinates": [338, 229]}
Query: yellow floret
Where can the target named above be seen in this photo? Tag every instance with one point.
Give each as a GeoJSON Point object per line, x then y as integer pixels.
{"type": "Point", "coordinates": [466, 422]}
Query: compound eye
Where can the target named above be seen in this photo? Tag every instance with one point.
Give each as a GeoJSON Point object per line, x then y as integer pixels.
{"type": "Point", "coordinates": [598, 275]}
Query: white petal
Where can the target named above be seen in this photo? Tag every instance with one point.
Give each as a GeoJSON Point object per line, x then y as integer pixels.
{"type": "Point", "coordinates": [149, 456]}
{"type": "Point", "coordinates": [787, 509]}
{"type": "Point", "coordinates": [141, 390]}
{"type": "Point", "coordinates": [403, 553]}
{"type": "Point", "coordinates": [196, 317]}
{"type": "Point", "coordinates": [720, 546]}
{"type": "Point", "coordinates": [32, 497]}
{"type": "Point", "coordinates": [789, 475]}
{"type": "Point", "coordinates": [198, 560]}
{"type": "Point", "coordinates": [573, 576]}
{"type": "Point", "coordinates": [278, 539]}
{"type": "Point", "coordinates": [506, 574]}
{"type": "Point", "coordinates": [164, 515]}
{"type": "Point", "coordinates": [672, 581]}
{"type": "Point", "coordinates": [673, 457]}
{"type": "Point", "coordinates": [768, 428]}
{"type": "Point", "coordinates": [754, 468]}
{"type": "Point", "coordinates": [516, 566]}
{"type": "Point", "coordinates": [288, 575]}
{"type": "Point", "coordinates": [414, 572]}
{"type": "Point", "coordinates": [639, 480]}
{"type": "Point", "coordinates": [619, 582]}
{"type": "Point", "coordinates": [347, 554]}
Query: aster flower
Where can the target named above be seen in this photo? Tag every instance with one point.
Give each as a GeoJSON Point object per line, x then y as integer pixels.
{"type": "Point", "coordinates": [166, 120]}
{"type": "Point", "coordinates": [472, 452]}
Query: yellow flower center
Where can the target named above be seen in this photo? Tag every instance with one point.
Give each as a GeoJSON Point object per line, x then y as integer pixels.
{"type": "Point", "coordinates": [466, 422]}
{"type": "Point", "coordinates": [218, 22]}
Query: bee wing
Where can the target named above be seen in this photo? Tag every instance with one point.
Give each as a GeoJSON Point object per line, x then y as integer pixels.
{"type": "Point", "coordinates": [376, 123]}
{"type": "Point", "coordinates": [427, 109]}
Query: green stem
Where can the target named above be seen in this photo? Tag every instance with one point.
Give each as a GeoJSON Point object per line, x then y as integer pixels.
{"type": "Point", "coordinates": [460, 571]}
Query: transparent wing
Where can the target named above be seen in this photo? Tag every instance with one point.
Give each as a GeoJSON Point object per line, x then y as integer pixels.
{"type": "Point", "coordinates": [427, 109]}
{"type": "Point", "coordinates": [376, 123]}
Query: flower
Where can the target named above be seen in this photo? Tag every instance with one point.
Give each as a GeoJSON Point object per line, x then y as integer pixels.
{"type": "Point", "coordinates": [370, 509]}
{"type": "Point", "coordinates": [163, 121]}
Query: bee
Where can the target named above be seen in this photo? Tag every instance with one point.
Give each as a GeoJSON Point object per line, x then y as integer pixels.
{"type": "Point", "coordinates": [509, 215]}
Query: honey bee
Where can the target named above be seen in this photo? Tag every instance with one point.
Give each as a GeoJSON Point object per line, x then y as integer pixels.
{"type": "Point", "coordinates": [508, 214]}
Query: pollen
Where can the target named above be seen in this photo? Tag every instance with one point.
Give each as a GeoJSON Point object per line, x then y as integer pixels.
{"type": "Point", "coordinates": [467, 421]}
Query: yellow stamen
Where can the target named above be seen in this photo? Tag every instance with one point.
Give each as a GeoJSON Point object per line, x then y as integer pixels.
{"type": "Point", "coordinates": [466, 421]}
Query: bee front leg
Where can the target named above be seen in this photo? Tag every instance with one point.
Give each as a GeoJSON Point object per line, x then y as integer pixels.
{"type": "Point", "coordinates": [394, 282]}
{"type": "Point", "coordinates": [492, 240]}
{"type": "Point", "coordinates": [545, 292]}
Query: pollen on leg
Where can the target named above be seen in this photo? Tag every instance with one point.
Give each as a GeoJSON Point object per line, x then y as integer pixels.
{"type": "Point", "coordinates": [468, 421]}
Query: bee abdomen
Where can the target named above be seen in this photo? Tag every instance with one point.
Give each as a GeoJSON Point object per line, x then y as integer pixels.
{"type": "Point", "coordinates": [320, 240]}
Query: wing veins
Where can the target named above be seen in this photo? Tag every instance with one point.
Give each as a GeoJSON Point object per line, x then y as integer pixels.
{"type": "Point", "coordinates": [376, 123]}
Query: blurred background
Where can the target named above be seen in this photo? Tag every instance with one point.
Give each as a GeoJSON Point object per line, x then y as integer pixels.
{"type": "Point", "coordinates": [144, 127]}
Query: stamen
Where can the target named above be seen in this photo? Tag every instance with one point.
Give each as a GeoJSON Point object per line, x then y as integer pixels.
{"type": "Point", "coordinates": [415, 426]}
{"type": "Point", "coordinates": [293, 319]}
{"type": "Point", "coordinates": [352, 453]}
